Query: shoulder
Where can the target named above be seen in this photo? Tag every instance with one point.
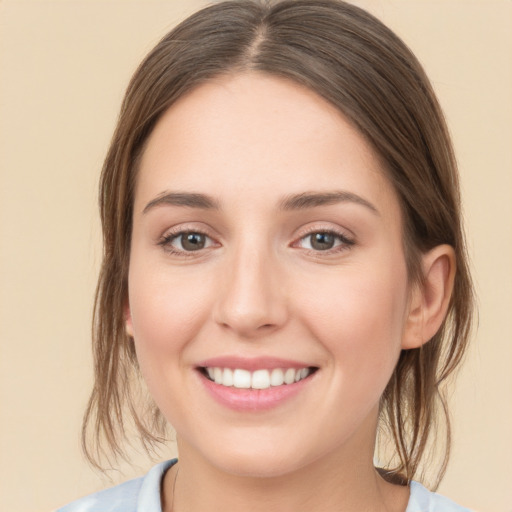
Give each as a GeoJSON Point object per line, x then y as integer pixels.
{"type": "Point", "coordinates": [121, 497]}
{"type": "Point", "coordinates": [135, 495]}
{"type": "Point", "coordinates": [422, 500]}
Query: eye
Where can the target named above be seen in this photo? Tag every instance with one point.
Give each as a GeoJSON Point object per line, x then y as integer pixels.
{"type": "Point", "coordinates": [324, 241]}
{"type": "Point", "coordinates": [186, 241]}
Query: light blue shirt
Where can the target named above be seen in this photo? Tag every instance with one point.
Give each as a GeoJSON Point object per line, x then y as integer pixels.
{"type": "Point", "coordinates": [143, 495]}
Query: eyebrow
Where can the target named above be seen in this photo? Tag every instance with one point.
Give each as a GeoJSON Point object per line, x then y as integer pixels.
{"type": "Point", "coordinates": [187, 199]}
{"type": "Point", "coordinates": [314, 199]}
{"type": "Point", "coordinates": [301, 201]}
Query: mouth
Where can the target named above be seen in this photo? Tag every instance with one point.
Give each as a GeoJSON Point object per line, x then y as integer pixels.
{"type": "Point", "coordinates": [260, 379]}
{"type": "Point", "coordinates": [255, 384]}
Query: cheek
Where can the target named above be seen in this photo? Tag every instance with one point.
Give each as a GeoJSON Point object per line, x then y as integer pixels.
{"type": "Point", "coordinates": [359, 317]}
{"type": "Point", "coordinates": [167, 310]}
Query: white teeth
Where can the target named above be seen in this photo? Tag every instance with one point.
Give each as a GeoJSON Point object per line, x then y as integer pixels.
{"type": "Point", "coordinates": [289, 376]}
{"type": "Point", "coordinates": [241, 379]}
{"type": "Point", "coordinates": [259, 379]}
{"type": "Point", "coordinates": [227, 377]}
{"type": "Point", "coordinates": [277, 377]}
{"type": "Point", "coordinates": [217, 375]}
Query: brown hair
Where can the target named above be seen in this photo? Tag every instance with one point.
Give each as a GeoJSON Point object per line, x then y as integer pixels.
{"type": "Point", "coordinates": [356, 63]}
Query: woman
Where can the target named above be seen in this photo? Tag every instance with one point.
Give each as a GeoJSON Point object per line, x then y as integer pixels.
{"type": "Point", "coordinates": [284, 266]}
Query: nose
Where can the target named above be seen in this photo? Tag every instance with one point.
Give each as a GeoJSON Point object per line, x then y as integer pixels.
{"type": "Point", "coordinates": [251, 300]}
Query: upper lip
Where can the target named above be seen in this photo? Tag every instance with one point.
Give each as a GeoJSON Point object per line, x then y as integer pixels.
{"type": "Point", "coordinates": [251, 364]}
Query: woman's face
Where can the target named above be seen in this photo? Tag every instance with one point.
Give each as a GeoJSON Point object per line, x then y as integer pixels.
{"type": "Point", "coordinates": [266, 248]}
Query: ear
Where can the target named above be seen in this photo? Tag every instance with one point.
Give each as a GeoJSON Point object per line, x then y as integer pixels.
{"type": "Point", "coordinates": [128, 319]}
{"type": "Point", "coordinates": [430, 299]}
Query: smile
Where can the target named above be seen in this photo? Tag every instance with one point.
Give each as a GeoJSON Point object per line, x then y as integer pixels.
{"type": "Point", "coordinates": [258, 379]}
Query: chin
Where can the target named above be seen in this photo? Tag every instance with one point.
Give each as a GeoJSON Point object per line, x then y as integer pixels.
{"type": "Point", "coordinates": [259, 460]}
{"type": "Point", "coordinates": [253, 456]}
{"type": "Point", "coordinates": [259, 466]}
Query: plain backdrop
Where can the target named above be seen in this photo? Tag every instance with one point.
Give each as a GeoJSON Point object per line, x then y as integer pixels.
{"type": "Point", "coordinates": [64, 66]}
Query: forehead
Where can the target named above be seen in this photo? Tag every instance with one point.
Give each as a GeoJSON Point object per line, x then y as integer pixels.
{"type": "Point", "coordinates": [256, 134]}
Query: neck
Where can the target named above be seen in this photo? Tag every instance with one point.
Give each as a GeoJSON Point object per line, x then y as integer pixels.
{"type": "Point", "coordinates": [326, 484]}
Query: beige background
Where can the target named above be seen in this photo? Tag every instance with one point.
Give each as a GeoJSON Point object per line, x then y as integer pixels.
{"type": "Point", "coordinates": [63, 69]}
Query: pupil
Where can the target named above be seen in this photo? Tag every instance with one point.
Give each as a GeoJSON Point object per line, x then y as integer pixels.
{"type": "Point", "coordinates": [192, 241]}
{"type": "Point", "coordinates": [322, 241]}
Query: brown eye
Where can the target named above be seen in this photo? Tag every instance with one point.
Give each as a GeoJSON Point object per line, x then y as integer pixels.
{"type": "Point", "coordinates": [184, 243]}
{"type": "Point", "coordinates": [325, 241]}
{"type": "Point", "coordinates": [191, 241]}
{"type": "Point", "coordinates": [322, 241]}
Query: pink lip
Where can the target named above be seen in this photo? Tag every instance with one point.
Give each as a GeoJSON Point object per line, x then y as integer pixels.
{"type": "Point", "coordinates": [252, 399]}
{"type": "Point", "coordinates": [251, 364]}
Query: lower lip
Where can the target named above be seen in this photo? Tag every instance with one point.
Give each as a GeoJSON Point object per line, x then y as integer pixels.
{"type": "Point", "coordinates": [253, 399]}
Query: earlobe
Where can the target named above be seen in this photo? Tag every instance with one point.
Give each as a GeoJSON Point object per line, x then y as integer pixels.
{"type": "Point", "coordinates": [128, 320]}
{"type": "Point", "coordinates": [430, 299]}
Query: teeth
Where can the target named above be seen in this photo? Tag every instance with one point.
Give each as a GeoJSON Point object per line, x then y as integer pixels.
{"type": "Point", "coordinates": [259, 379]}
{"type": "Point", "coordinates": [241, 379]}
{"type": "Point", "coordinates": [289, 376]}
{"type": "Point", "coordinates": [277, 377]}
{"type": "Point", "coordinates": [227, 377]}
{"type": "Point", "coordinates": [217, 375]}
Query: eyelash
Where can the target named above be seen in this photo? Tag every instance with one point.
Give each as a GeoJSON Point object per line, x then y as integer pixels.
{"type": "Point", "coordinates": [346, 243]}
{"type": "Point", "coordinates": [166, 242]}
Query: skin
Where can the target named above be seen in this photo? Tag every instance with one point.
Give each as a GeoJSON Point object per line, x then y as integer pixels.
{"type": "Point", "coordinates": [258, 288]}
